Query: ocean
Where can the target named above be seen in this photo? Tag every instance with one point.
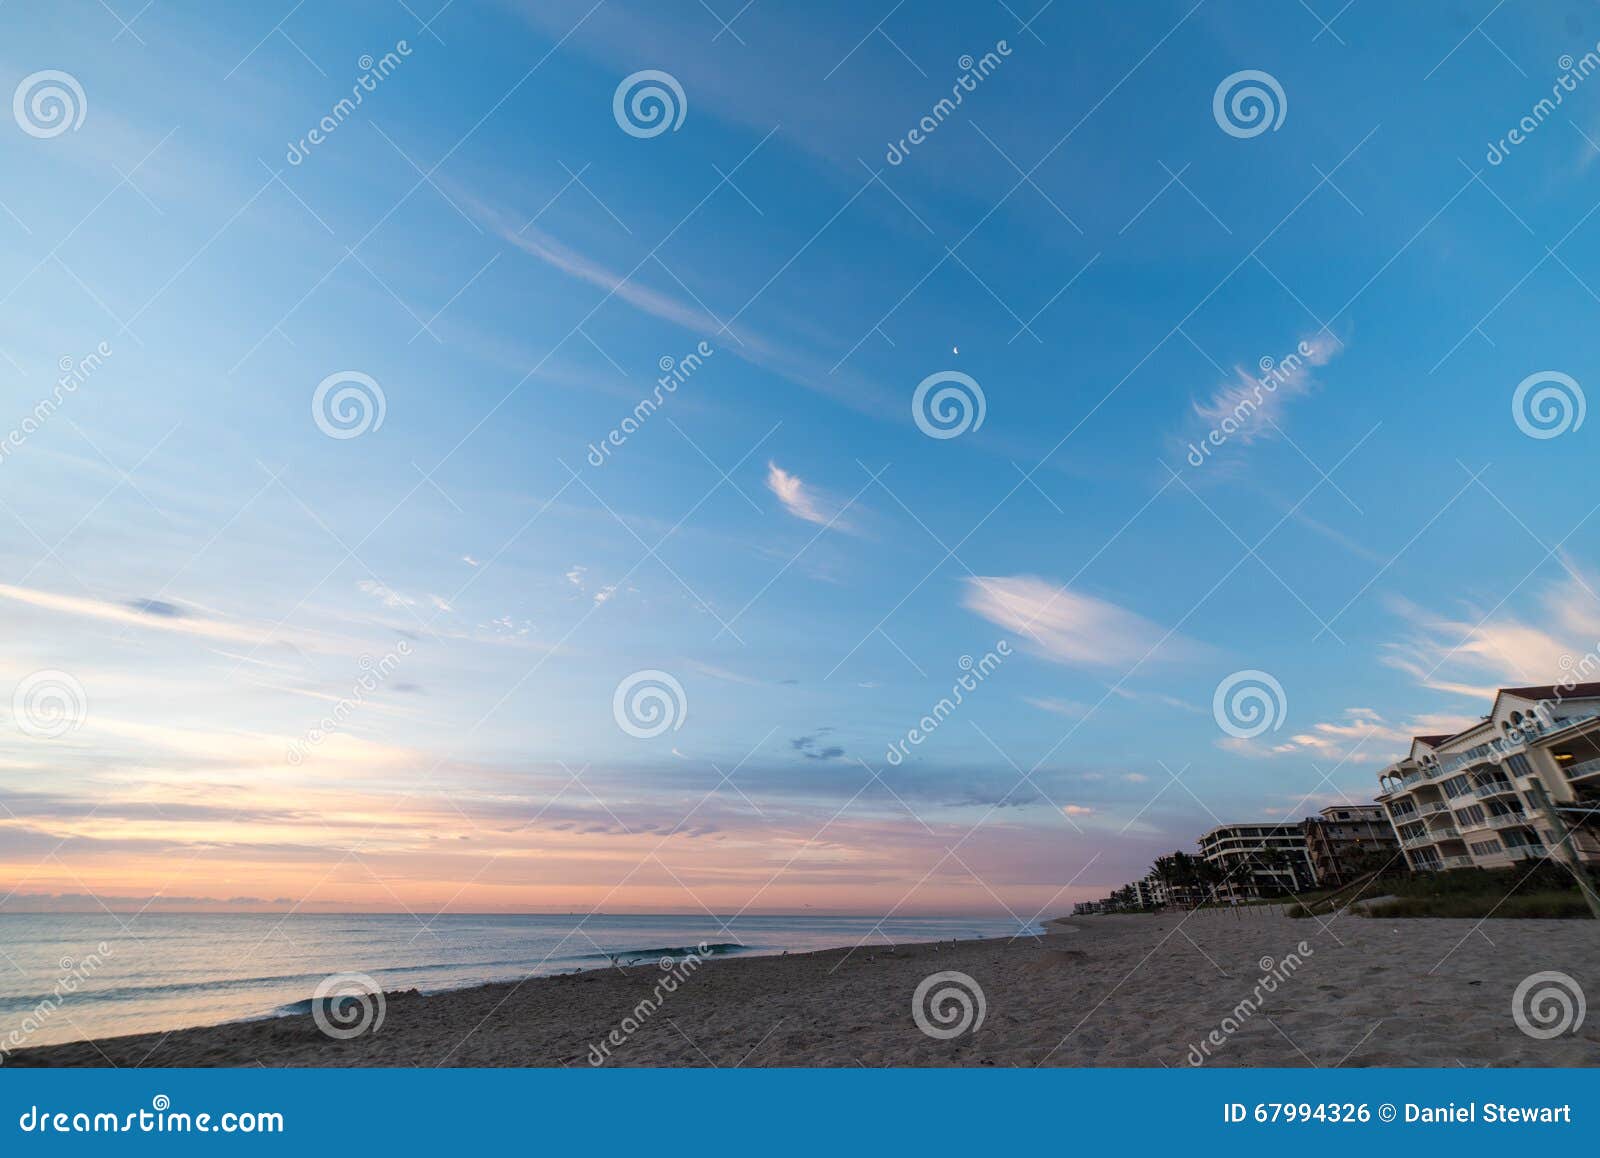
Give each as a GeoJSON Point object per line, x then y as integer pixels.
{"type": "Point", "coordinates": [64, 977]}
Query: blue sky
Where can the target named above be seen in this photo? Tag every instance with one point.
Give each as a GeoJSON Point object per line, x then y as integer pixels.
{"type": "Point", "coordinates": [483, 240]}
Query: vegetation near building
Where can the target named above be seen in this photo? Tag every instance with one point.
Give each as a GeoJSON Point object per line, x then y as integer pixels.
{"type": "Point", "coordinates": [1521, 785]}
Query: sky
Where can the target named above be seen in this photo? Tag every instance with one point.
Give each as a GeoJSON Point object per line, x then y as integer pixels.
{"type": "Point", "coordinates": [794, 489]}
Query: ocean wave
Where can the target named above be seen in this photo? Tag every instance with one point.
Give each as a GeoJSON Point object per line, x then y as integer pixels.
{"type": "Point", "coordinates": [24, 1002]}
{"type": "Point", "coordinates": [121, 992]}
{"type": "Point", "coordinates": [720, 949]}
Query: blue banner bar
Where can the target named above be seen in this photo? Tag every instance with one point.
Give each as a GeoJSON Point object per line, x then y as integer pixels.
{"type": "Point", "coordinates": [799, 1112]}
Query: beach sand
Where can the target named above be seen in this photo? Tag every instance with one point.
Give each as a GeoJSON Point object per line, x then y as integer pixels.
{"type": "Point", "coordinates": [1095, 991]}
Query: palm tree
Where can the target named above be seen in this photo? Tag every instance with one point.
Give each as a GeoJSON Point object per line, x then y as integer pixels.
{"type": "Point", "coordinates": [1208, 876]}
{"type": "Point", "coordinates": [1166, 871]}
{"type": "Point", "coordinates": [1276, 862]}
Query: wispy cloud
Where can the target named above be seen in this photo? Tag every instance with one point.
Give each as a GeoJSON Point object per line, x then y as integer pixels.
{"type": "Point", "coordinates": [1252, 405]}
{"type": "Point", "coordinates": [812, 747]}
{"type": "Point", "coordinates": [1069, 627]}
{"type": "Point", "coordinates": [1161, 698]}
{"type": "Point", "coordinates": [841, 386]}
{"type": "Point", "coordinates": [802, 500]}
{"type": "Point", "coordinates": [1357, 733]}
{"type": "Point", "coordinates": [540, 245]}
{"type": "Point", "coordinates": [1071, 709]}
{"type": "Point", "coordinates": [384, 594]}
{"type": "Point", "coordinates": [139, 614]}
{"type": "Point", "coordinates": [722, 673]}
{"type": "Point", "coordinates": [1475, 654]}
{"type": "Point", "coordinates": [159, 607]}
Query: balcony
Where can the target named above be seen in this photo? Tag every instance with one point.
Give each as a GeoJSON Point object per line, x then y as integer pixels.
{"type": "Point", "coordinates": [1563, 725]}
{"type": "Point", "coordinates": [1510, 820]}
{"type": "Point", "coordinates": [1582, 771]}
{"type": "Point", "coordinates": [1455, 862]}
{"type": "Point", "coordinates": [1526, 852]}
{"type": "Point", "coordinates": [1445, 832]}
{"type": "Point", "coordinates": [1433, 808]}
{"type": "Point", "coordinates": [1495, 788]}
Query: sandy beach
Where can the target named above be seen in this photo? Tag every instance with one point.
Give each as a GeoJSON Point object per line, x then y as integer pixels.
{"type": "Point", "coordinates": [1096, 991]}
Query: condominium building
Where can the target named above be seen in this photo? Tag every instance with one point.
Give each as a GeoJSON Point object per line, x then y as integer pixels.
{"type": "Point", "coordinates": [1346, 839]}
{"type": "Point", "coordinates": [1521, 784]}
{"type": "Point", "coordinates": [1264, 859]}
{"type": "Point", "coordinates": [1148, 893]}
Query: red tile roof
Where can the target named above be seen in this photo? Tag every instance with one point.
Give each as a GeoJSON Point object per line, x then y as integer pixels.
{"type": "Point", "coordinates": [1545, 692]}
{"type": "Point", "coordinates": [1556, 691]}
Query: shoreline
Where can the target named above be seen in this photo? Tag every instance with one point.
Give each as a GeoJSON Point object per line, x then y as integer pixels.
{"type": "Point", "coordinates": [1088, 991]}
{"type": "Point", "coordinates": [203, 976]}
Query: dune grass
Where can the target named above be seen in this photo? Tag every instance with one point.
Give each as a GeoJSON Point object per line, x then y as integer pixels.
{"type": "Point", "coordinates": [1545, 891]}
{"type": "Point", "coordinates": [1548, 903]}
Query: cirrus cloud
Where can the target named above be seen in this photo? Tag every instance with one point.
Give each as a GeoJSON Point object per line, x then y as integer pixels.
{"type": "Point", "coordinates": [802, 500]}
{"type": "Point", "coordinates": [1069, 627]}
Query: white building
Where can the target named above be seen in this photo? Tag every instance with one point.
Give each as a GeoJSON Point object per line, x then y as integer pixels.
{"type": "Point", "coordinates": [1264, 859]}
{"type": "Point", "coordinates": [1519, 785]}
{"type": "Point", "coordinates": [1345, 833]}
